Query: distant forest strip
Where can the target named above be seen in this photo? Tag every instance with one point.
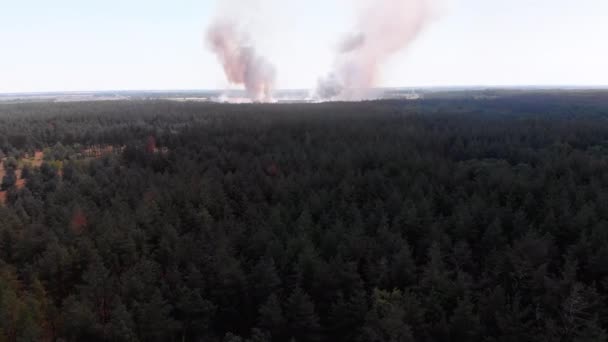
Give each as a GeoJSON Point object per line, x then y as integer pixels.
{"type": "Point", "coordinates": [444, 219]}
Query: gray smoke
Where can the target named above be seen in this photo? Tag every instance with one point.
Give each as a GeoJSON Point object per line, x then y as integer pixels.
{"type": "Point", "coordinates": [329, 87]}
{"type": "Point", "coordinates": [383, 29]}
{"type": "Point", "coordinates": [240, 60]}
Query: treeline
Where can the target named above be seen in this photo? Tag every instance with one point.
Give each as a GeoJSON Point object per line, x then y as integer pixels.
{"type": "Point", "coordinates": [436, 220]}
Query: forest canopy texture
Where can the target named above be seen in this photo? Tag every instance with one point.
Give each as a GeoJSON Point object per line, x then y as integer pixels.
{"type": "Point", "coordinates": [448, 219]}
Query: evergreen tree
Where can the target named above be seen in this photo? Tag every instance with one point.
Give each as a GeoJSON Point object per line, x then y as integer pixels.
{"type": "Point", "coordinates": [386, 319]}
{"type": "Point", "coordinates": [464, 323]}
{"type": "Point", "coordinates": [271, 318]}
{"type": "Point", "coordinates": [302, 321]}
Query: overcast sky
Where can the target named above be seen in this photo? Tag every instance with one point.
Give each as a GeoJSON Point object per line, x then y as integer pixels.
{"type": "Point", "coordinates": [68, 45]}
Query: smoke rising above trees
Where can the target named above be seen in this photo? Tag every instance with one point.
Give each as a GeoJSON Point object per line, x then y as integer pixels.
{"type": "Point", "coordinates": [382, 29]}
{"type": "Point", "coordinates": [241, 62]}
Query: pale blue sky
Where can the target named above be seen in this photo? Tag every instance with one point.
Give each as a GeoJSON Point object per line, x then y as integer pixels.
{"type": "Point", "coordinates": [67, 45]}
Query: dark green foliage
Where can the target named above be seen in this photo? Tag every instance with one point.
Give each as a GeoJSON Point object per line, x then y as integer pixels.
{"type": "Point", "coordinates": [464, 324]}
{"type": "Point", "coordinates": [433, 220]}
{"type": "Point", "coordinates": [271, 318]}
{"type": "Point", "coordinates": [302, 320]}
{"type": "Point", "coordinates": [9, 179]}
{"type": "Point", "coordinates": [386, 319]}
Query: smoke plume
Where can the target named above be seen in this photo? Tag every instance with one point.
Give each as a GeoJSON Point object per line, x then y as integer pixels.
{"type": "Point", "coordinates": [240, 60]}
{"type": "Point", "coordinates": [383, 29]}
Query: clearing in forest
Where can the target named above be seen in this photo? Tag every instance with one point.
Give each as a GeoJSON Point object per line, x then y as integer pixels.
{"type": "Point", "coordinates": [35, 161]}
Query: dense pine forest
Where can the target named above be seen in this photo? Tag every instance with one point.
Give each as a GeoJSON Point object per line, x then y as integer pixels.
{"type": "Point", "coordinates": [445, 219]}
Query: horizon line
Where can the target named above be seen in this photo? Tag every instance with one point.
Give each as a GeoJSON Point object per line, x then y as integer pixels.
{"type": "Point", "coordinates": [217, 90]}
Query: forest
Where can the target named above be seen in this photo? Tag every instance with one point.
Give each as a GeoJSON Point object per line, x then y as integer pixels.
{"type": "Point", "coordinates": [436, 220]}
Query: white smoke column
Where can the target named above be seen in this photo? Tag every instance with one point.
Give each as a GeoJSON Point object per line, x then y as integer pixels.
{"type": "Point", "coordinates": [240, 60]}
{"type": "Point", "coordinates": [384, 28]}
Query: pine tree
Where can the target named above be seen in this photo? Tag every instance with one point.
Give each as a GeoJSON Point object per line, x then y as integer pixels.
{"type": "Point", "coordinates": [195, 313]}
{"type": "Point", "coordinates": [80, 321]}
{"type": "Point", "coordinates": [153, 319]}
{"type": "Point", "coordinates": [271, 318]}
{"type": "Point", "coordinates": [386, 319]}
{"type": "Point", "coordinates": [403, 268]}
{"type": "Point", "coordinates": [9, 180]}
{"type": "Point", "coordinates": [121, 327]}
{"type": "Point", "coordinates": [264, 280]}
{"type": "Point", "coordinates": [347, 316]}
{"type": "Point", "coordinates": [302, 320]}
{"type": "Point", "coordinates": [464, 323]}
